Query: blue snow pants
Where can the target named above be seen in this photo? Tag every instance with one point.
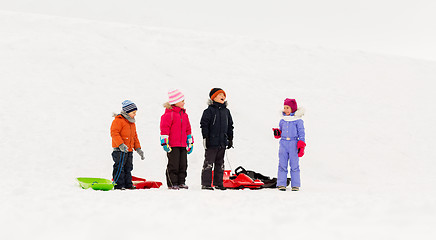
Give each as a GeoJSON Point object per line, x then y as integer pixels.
{"type": "Point", "coordinates": [125, 173]}
{"type": "Point", "coordinates": [288, 154]}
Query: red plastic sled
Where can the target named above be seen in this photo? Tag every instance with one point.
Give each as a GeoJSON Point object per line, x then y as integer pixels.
{"type": "Point", "coordinates": [239, 181]}
{"type": "Point", "coordinates": [141, 183]}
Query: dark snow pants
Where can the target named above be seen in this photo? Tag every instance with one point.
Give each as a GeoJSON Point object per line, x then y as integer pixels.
{"type": "Point", "coordinates": [177, 167]}
{"type": "Point", "coordinates": [123, 166]}
{"type": "Point", "coordinates": [213, 156]}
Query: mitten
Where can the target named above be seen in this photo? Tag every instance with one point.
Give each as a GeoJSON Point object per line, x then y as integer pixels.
{"type": "Point", "coordinates": [230, 144]}
{"type": "Point", "coordinates": [141, 153]}
{"type": "Point", "coordinates": [301, 145]}
{"type": "Point", "coordinates": [123, 147]}
{"type": "Point", "coordinates": [277, 133]}
{"type": "Point", "coordinates": [190, 142]}
{"type": "Point", "coordinates": [164, 142]}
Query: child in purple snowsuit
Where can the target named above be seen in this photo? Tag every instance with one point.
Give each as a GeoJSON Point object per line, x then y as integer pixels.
{"type": "Point", "coordinates": [292, 144]}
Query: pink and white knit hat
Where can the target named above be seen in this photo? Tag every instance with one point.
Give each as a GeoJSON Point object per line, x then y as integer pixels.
{"type": "Point", "coordinates": [175, 96]}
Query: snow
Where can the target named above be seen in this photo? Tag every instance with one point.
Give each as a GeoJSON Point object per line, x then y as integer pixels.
{"type": "Point", "coordinates": [368, 172]}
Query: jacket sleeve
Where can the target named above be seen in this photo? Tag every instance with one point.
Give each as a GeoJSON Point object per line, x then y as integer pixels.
{"type": "Point", "coordinates": [204, 123]}
{"type": "Point", "coordinates": [230, 126]}
{"type": "Point", "coordinates": [165, 124]}
{"type": "Point", "coordinates": [300, 130]}
{"type": "Point", "coordinates": [188, 127]}
{"type": "Point", "coordinates": [116, 126]}
{"type": "Point", "coordinates": [137, 143]}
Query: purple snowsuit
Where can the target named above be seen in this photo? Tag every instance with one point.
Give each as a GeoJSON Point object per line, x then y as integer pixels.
{"type": "Point", "coordinates": [292, 129]}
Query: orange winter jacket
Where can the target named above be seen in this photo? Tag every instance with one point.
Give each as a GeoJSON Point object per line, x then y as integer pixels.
{"type": "Point", "coordinates": [123, 131]}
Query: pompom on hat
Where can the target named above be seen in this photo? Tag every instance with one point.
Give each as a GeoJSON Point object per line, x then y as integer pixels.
{"type": "Point", "coordinates": [215, 91]}
{"type": "Point", "coordinates": [175, 96]}
{"type": "Point", "coordinates": [129, 106]}
{"type": "Point", "coordinates": [291, 103]}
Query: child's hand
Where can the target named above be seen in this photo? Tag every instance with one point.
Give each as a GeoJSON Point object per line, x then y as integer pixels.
{"type": "Point", "coordinates": [167, 148]}
{"type": "Point", "coordinates": [230, 144]}
{"type": "Point", "coordinates": [190, 149]}
{"type": "Point", "coordinates": [141, 153]}
{"type": "Point", "coordinates": [123, 148]}
{"type": "Point", "coordinates": [277, 133]}
{"type": "Point", "coordinates": [164, 142]}
{"type": "Point", "coordinates": [301, 146]}
{"type": "Point", "coordinates": [190, 142]}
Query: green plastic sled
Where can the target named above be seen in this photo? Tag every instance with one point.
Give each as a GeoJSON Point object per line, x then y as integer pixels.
{"type": "Point", "coordinates": [95, 183]}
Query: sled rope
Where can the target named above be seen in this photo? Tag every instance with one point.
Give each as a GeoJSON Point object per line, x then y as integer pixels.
{"type": "Point", "coordinates": [168, 174]}
{"type": "Point", "coordinates": [169, 178]}
{"type": "Point", "coordinates": [120, 167]}
{"type": "Point", "coordinates": [227, 157]}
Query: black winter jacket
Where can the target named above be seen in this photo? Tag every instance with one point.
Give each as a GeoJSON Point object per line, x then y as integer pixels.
{"type": "Point", "coordinates": [217, 125]}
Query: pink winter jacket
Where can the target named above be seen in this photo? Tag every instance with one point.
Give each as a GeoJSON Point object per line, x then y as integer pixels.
{"type": "Point", "coordinates": [175, 123]}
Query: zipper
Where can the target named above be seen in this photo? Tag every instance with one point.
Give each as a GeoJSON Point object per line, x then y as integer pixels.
{"type": "Point", "coordinates": [219, 133]}
{"type": "Point", "coordinates": [181, 127]}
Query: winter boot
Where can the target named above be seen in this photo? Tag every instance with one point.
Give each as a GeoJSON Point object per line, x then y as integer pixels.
{"type": "Point", "coordinates": [220, 188]}
{"type": "Point", "coordinates": [295, 188]}
{"type": "Point", "coordinates": [207, 187]}
{"type": "Point", "coordinates": [183, 186]}
{"type": "Point", "coordinates": [175, 187]}
{"type": "Point", "coordinates": [119, 187]}
{"type": "Point", "coordinates": [282, 188]}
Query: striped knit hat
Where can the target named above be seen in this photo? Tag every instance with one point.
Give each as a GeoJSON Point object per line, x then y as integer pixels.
{"type": "Point", "coordinates": [175, 96]}
{"type": "Point", "coordinates": [129, 106]}
{"type": "Point", "coordinates": [215, 91]}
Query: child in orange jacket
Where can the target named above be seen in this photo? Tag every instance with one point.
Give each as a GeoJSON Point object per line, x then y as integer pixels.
{"type": "Point", "coordinates": [124, 141]}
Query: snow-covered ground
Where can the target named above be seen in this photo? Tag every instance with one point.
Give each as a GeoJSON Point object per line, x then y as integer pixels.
{"type": "Point", "coordinates": [368, 172]}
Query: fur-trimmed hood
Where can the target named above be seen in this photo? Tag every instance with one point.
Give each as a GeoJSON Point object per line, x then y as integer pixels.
{"type": "Point", "coordinates": [168, 108]}
{"type": "Point", "coordinates": [294, 116]}
{"type": "Point", "coordinates": [210, 102]}
{"type": "Point", "coordinates": [125, 115]}
{"type": "Point", "coordinates": [167, 105]}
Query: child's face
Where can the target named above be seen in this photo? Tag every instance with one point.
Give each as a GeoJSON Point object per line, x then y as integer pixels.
{"type": "Point", "coordinates": [287, 110]}
{"type": "Point", "coordinates": [220, 98]}
{"type": "Point", "coordinates": [180, 104]}
{"type": "Point", "coordinates": [132, 114]}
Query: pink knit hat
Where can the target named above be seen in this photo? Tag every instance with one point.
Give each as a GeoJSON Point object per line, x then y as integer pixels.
{"type": "Point", "coordinates": [291, 103]}
{"type": "Point", "coordinates": [175, 96]}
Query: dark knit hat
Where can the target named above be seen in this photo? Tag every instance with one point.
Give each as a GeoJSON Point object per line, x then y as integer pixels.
{"type": "Point", "coordinates": [129, 106]}
{"type": "Point", "coordinates": [215, 91]}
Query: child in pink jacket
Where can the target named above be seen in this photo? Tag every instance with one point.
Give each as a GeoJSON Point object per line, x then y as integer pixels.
{"type": "Point", "coordinates": [176, 139]}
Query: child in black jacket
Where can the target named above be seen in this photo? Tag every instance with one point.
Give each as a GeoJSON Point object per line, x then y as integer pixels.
{"type": "Point", "coordinates": [217, 130]}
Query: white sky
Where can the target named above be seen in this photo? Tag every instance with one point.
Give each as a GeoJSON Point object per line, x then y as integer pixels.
{"type": "Point", "coordinates": [396, 27]}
